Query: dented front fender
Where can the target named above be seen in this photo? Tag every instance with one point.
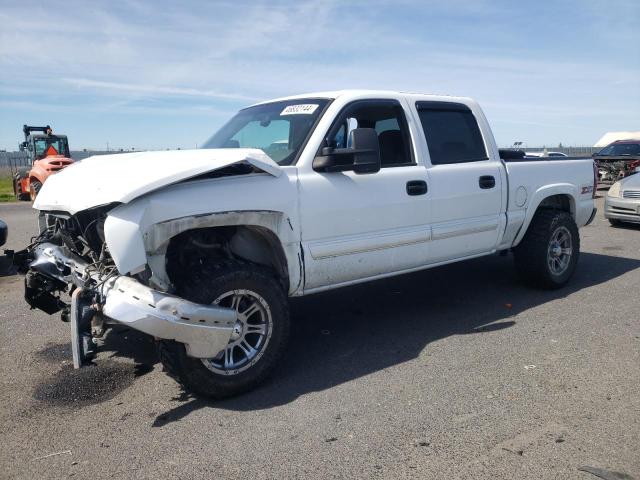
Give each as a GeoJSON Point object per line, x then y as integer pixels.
{"type": "Point", "coordinates": [138, 233]}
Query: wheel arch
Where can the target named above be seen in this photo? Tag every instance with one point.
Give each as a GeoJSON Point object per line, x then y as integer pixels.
{"type": "Point", "coordinates": [253, 236]}
{"type": "Point", "coordinates": [554, 197]}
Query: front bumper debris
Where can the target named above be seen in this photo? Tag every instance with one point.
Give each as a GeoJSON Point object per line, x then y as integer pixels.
{"type": "Point", "coordinates": [204, 329]}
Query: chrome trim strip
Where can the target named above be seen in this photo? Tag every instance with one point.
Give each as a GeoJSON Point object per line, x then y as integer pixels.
{"type": "Point", "coordinates": [371, 243]}
{"type": "Point", "coordinates": [464, 231]}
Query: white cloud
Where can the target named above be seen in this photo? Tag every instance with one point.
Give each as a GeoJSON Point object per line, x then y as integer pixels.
{"type": "Point", "coordinates": [139, 56]}
{"type": "Point", "coordinates": [153, 90]}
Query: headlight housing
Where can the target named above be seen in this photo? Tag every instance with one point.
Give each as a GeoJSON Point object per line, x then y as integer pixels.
{"type": "Point", "coordinates": [614, 191]}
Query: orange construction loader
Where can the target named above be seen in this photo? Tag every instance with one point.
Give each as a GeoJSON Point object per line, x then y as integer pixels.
{"type": "Point", "coordinates": [48, 154]}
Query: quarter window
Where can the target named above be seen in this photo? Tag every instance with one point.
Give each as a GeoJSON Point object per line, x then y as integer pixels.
{"type": "Point", "coordinates": [452, 133]}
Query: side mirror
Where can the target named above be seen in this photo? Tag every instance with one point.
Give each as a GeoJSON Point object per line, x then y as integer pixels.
{"type": "Point", "coordinates": [366, 150]}
{"type": "Point", "coordinates": [362, 157]}
{"type": "Point", "coordinates": [22, 146]}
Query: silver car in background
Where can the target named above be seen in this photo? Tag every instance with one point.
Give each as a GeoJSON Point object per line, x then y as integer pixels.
{"type": "Point", "coordinates": [622, 203]}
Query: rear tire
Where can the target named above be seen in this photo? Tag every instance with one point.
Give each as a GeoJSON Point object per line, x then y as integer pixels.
{"type": "Point", "coordinates": [548, 254]}
{"type": "Point", "coordinates": [263, 333]}
{"type": "Point", "coordinates": [34, 189]}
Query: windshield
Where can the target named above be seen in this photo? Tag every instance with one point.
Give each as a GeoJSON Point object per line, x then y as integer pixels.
{"type": "Point", "coordinates": [51, 145]}
{"type": "Point", "coordinates": [279, 129]}
{"type": "Point", "coordinates": [621, 149]}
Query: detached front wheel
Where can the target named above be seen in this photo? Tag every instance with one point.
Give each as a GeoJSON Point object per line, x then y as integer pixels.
{"type": "Point", "coordinates": [258, 338]}
{"type": "Point", "coordinates": [549, 251]}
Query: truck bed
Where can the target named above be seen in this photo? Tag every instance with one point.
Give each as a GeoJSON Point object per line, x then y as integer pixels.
{"type": "Point", "coordinates": [532, 180]}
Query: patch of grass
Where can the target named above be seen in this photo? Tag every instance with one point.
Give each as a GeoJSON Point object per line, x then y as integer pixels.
{"type": "Point", "coordinates": [6, 189]}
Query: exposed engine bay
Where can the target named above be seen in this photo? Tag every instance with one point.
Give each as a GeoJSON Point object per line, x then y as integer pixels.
{"type": "Point", "coordinates": [69, 269]}
{"type": "Point", "coordinates": [79, 236]}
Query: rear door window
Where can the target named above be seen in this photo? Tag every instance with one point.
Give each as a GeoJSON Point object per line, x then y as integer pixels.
{"type": "Point", "coordinates": [452, 133]}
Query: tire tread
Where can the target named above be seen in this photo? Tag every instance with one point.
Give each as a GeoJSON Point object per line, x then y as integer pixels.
{"type": "Point", "coordinates": [189, 372]}
{"type": "Point", "coordinates": [531, 254]}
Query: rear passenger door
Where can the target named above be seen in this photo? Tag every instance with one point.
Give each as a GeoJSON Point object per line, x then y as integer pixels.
{"type": "Point", "coordinates": [465, 184]}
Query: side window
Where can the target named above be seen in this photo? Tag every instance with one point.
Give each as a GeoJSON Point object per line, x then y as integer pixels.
{"type": "Point", "coordinates": [387, 119]}
{"type": "Point", "coordinates": [340, 138]}
{"type": "Point", "coordinates": [452, 133]}
{"type": "Point", "coordinates": [41, 146]}
{"type": "Point", "coordinates": [386, 125]}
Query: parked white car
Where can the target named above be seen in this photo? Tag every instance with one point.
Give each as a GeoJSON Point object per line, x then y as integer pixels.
{"type": "Point", "coordinates": [622, 203]}
{"type": "Point", "coordinates": [202, 248]}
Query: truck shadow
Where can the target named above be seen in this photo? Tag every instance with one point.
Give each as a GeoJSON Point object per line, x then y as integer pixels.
{"type": "Point", "coordinates": [627, 226]}
{"type": "Point", "coordinates": [349, 333]}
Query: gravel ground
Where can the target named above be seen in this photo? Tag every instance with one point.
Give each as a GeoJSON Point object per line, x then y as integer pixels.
{"type": "Point", "coordinates": [456, 372]}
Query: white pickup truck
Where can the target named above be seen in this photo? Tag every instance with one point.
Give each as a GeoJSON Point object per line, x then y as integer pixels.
{"type": "Point", "coordinates": [293, 196]}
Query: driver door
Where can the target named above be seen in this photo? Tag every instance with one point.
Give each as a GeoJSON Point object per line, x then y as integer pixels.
{"type": "Point", "coordinates": [360, 226]}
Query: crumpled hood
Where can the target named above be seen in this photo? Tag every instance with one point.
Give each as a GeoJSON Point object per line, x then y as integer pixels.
{"type": "Point", "coordinates": [104, 179]}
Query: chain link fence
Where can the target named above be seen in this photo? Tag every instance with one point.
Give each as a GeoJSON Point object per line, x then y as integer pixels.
{"type": "Point", "coordinates": [18, 159]}
{"type": "Point", "coordinates": [21, 159]}
{"type": "Point", "coordinates": [570, 151]}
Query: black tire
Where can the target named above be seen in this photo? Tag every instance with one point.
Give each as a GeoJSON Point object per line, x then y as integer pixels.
{"type": "Point", "coordinates": [532, 255]}
{"type": "Point", "coordinates": [34, 189]}
{"type": "Point", "coordinates": [17, 190]}
{"type": "Point", "coordinates": [20, 195]}
{"type": "Point", "coordinates": [208, 285]}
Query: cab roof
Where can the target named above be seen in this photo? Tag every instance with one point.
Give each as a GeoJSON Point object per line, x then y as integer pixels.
{"type": "Point", "coordinates": [333, 94]}
{"type": "Point", "coordinates": [42, 135]}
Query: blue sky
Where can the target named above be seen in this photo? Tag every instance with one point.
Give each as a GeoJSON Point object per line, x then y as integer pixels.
{"type": "Point", "coordinates": [167, 74]}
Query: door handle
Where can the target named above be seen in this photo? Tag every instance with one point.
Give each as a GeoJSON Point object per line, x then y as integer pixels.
{"type": "Point", "coordinates": [416, 187]}
{"type": "Point", "coordinates": [487, 181]}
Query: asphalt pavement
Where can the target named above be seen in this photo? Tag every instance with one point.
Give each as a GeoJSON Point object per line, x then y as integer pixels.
{"type": "Point", "coordinates": [455, 372]}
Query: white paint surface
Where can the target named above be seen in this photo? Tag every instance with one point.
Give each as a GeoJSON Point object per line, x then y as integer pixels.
{"type": "Point", "coordinates": [335, 228]}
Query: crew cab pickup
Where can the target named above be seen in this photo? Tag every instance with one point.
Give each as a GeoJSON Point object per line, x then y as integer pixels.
{"type": "Point", "coordinates": [201, 248]}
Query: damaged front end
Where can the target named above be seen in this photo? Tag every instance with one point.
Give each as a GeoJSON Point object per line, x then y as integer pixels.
{"type": "Point", "coordinates": [69, 269]}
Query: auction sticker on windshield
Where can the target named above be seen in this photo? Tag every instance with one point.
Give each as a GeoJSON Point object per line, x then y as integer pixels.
{"type": "Point", "coordinates": [302, 109]}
